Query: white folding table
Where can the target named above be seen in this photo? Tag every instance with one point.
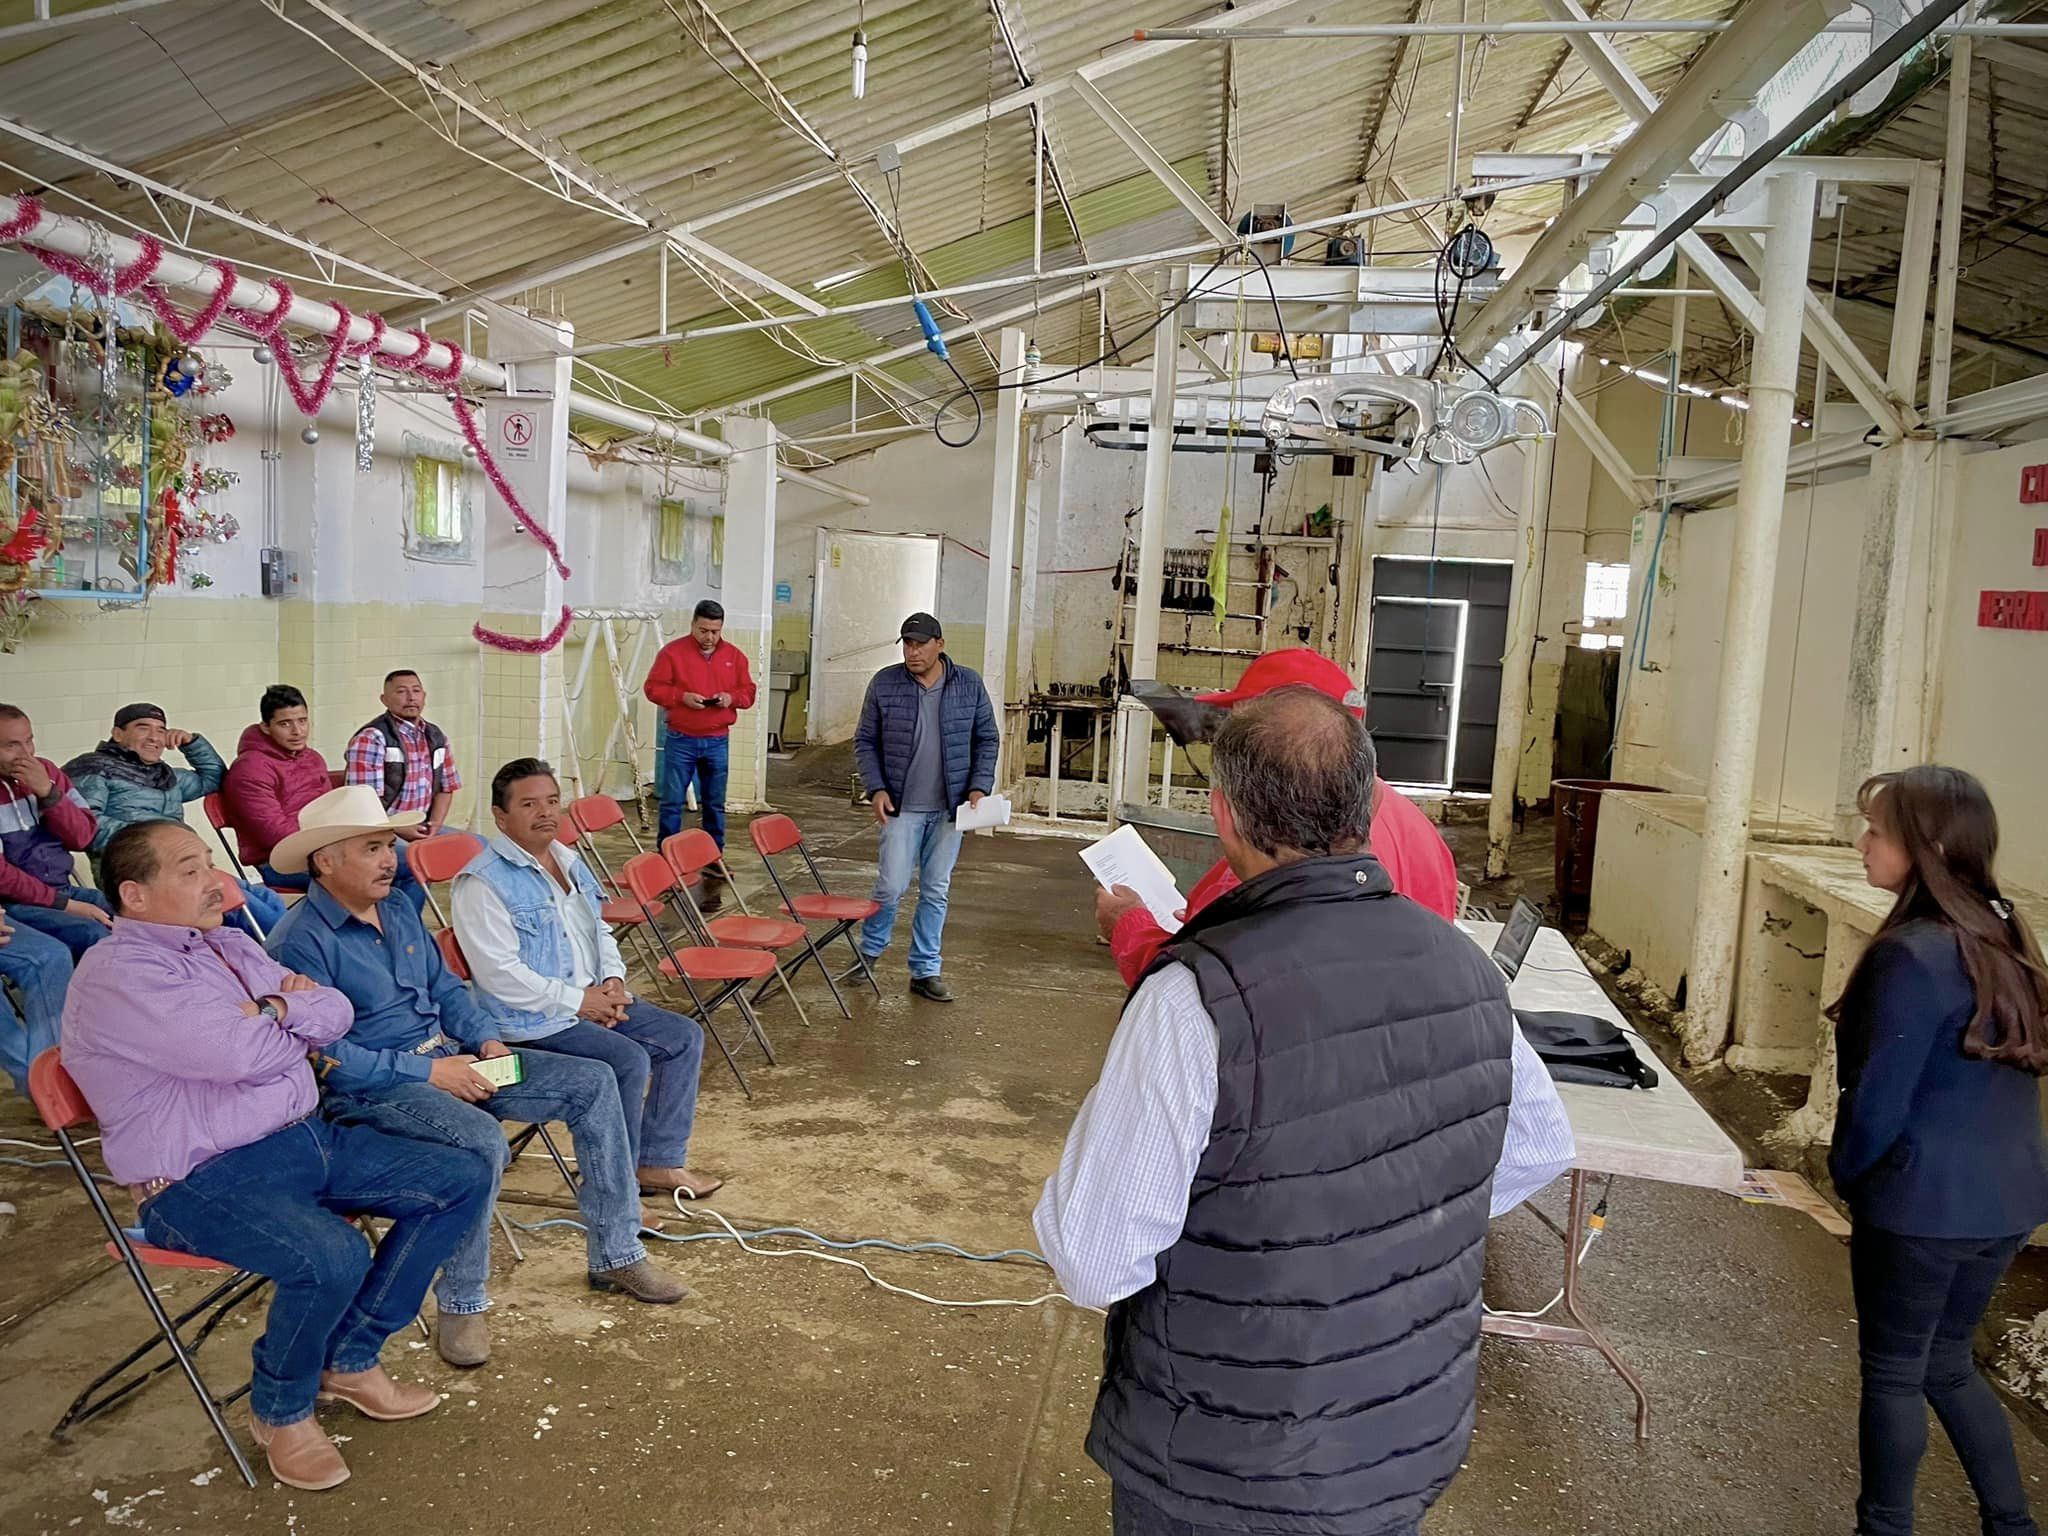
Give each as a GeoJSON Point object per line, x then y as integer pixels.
{"type": "Point", "coordinates": [1661, 1134]}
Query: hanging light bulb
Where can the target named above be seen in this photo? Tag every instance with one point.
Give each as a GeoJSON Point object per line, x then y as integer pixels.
{"type": "Point", "coordinates": [860, 63]}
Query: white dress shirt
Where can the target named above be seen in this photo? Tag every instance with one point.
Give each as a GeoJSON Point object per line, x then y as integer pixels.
{"type": "Point", "coordinates": [490, 941]}
{"type": "Point", "coordinates": [1120, 1197]}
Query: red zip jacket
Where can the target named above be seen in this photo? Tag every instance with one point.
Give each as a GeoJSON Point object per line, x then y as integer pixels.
{"type": "Point", "coordinates": [682, 668]}
{"type": "Point", "coordinates": [1403, 839]}
{"type": "Point", "coordinates": [37, 839]}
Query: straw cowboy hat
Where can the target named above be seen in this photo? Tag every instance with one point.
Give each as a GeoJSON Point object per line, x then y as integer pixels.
{"type": "Point", "coordinates": [351, 811]}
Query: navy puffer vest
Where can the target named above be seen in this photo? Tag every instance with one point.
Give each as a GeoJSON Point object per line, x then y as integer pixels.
{"type": "Point", "coordinates": [1306, 1359]}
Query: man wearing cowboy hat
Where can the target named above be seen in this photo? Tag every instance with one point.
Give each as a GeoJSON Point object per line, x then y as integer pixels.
{"type": "Point", "coordinates": [406, 1065]}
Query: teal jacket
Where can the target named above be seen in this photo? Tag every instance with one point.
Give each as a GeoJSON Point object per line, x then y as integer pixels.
{"type": "Point", "coordinates": [122, 791]}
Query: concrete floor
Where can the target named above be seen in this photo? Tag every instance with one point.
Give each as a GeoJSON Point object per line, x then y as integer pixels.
{"type": "Point", "coordinates": [788, 1396]}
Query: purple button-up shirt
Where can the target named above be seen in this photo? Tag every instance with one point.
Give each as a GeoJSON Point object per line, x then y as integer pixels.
{"type": "Point", "coordinates": [175, 1071]}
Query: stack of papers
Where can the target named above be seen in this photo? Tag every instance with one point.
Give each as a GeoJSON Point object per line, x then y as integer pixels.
{"type": "Point", "coordinates": [1124, 858]}
{"type": "Point", "coordinates": [993, 811]}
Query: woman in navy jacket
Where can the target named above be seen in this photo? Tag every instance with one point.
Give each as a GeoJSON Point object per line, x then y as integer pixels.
{"type": "Point", "coordinates": [1938, 1146]}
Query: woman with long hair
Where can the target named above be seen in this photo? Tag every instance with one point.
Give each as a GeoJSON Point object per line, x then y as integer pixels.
{"type": "Point", "coordinates": [1938, 1147]}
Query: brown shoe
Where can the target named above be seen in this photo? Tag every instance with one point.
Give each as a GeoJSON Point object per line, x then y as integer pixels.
{"type": "Point", "coordinates": [300, 1455]}
{"type": "Point", "coordinates": [463, 1339]}
{"type": "Point", "coordinates": [692, 1185]}
{"type": "Point", "coordinates": [375, 1395]}
{"type": "Point", "coordinates": [641, 1281]}
{"type": "Point", "coordinates": [653, 1218]}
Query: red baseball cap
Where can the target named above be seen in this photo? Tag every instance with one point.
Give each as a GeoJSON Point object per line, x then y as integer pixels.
{"type": "Point", "coordinates": [1295, 668]}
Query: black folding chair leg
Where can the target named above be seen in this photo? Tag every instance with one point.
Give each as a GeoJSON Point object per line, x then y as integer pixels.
{"type": "Point", "coordinates": [555, 1152]}
{"type": "Point", "coordinates": [846, 932]}
{"type": "Point", "coordinates": [223, 1298]}
{"type": "Point", "coordinates": [704, 1017]}
{"type": "Point", "coordinates": [811, 954]}
{"type": "Point", "coordinates": [156, 1310]}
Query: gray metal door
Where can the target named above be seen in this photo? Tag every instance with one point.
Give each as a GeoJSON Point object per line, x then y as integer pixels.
{"type": "Point", "coordinates": [1433, 688]}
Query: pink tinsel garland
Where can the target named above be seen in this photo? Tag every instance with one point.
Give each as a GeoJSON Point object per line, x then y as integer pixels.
{"type": "Point", "coordinates": [500, 641]}
{"type": "Point", "coordinates": [268, 323]}
{"type": "Point", "coordinates": [465, 417]}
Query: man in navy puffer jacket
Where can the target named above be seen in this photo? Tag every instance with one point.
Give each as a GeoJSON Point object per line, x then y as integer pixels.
{"type": "Point", "coordinates": [926, 743]}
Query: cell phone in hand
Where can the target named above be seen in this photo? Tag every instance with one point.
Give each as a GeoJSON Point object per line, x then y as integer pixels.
{"type": "Point", "coordinates": [501, 1071]}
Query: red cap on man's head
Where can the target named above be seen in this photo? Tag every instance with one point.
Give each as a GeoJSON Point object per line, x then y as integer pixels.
{"type": "Point", "coordinates": [1296, 668]}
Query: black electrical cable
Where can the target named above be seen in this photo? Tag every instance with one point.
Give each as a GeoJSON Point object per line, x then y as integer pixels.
{"type": "Point", "coordinates": [939, 416]}
{"type": "Point", "coordinates": [1286, 347]}
{"type": "Point", "coordinates": [1882, 58]}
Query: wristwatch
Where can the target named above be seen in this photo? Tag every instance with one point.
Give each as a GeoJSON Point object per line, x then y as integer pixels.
{"type": "Point", "coordinates": [270, 1009]}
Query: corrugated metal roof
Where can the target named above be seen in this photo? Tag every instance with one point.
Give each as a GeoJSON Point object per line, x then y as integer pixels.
{"type": "Point", "coordinates": [673, 116]}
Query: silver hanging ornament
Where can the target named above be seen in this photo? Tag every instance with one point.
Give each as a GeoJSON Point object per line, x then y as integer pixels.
{"type": "Point", "coordinates": [309, 434]}
{"type": "Point", "coordinates": [263, 356]}
{"type": "Point", "coordinates": [366, 418]}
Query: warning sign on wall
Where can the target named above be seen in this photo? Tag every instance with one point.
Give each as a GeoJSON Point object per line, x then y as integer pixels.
{"type": "Point", "coordinates": [516, 434]}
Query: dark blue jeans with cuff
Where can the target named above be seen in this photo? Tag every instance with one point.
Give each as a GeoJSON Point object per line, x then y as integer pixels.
{"type": "Point", "coordinates": [280, 1207]}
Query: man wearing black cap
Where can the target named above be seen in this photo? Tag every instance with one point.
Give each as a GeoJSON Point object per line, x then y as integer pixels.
{"type": "Point", "coordinates": [125, 780]}
{"type": "Point", "coordinates": [926, 742]}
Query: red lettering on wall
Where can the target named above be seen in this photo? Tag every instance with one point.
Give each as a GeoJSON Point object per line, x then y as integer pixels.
{"type": "Point", "coordinates": [2013, 610]}
{"type": "Point", "coordinates": [2034, 485]}
{"type": "Point", "coordinates": [2041, 546]}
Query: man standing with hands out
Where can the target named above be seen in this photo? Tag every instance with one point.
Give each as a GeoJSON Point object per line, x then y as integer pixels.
{"type": "Point", "coordinates": [926, 743]}
{"type": "Point", "coordinates": [702, 681]}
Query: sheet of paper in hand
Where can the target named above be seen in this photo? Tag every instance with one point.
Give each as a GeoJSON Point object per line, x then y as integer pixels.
{"type": "Point", "coordinates": [1124, 858]}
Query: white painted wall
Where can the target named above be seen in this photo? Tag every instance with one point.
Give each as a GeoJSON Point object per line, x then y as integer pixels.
{"type": "Point", "coordinates": [1992, 703]}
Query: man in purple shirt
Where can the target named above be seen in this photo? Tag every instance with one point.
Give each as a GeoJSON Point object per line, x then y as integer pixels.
{"type": "Point", "coordinates": [190, 1044]}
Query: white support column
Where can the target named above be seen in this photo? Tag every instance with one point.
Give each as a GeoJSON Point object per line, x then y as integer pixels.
{"type": "Point", "coordinates": [1954, 178]}
{"type": "Point", "coordinates": [748, 590]}
{"type": "Point", "coordinates": [1151, 555]}
{"type": "Point", "coordinates": [1002, 532]}
{"type": "Point", "coordinates": [1525, 601]}
{"type": "Point", "coordinates": [1045, 468]}
{"type": "Point", "coordinates": [1759, 512]}
{"type": "Point", "coordinates": [527, 428]}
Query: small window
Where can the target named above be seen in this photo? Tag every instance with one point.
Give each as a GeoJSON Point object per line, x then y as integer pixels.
{"type": "Point", "coordinates": [1606, 593]}
{"type": "Point", "coordinates": [437, 512]}
{"type": "Point", "coordinates": [674, 558]}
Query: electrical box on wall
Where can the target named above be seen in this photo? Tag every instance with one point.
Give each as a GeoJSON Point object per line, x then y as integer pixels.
{"type": "Point", "coordinates": [280, 571]}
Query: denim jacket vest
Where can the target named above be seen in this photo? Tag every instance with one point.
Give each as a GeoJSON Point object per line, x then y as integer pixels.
{"type": "Point", "coordinates": [543, 944]}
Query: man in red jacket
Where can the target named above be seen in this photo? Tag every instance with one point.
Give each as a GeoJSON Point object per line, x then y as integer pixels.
{"type": "Point", "coordinates": [1403, 839]}
{"type": "Point", "coordinates": [43, 822]}
{"type": "Point", "coordinates": [703, 683]}
{"type": "Point", "coordinates": [276, 774]}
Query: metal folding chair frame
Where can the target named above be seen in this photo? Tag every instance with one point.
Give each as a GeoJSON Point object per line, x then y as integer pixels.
{"type": "Point", "coordinates": [731, 991]}
{"type": "Point", "coordinates": [700, 926]}
{"type": "Point", "coordinates": [841, 928]}
{"type": "Point", "coordinates": [239, 1287]}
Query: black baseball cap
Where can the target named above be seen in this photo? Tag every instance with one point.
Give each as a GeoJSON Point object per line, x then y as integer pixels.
{"type": "Point", "coordinates": [921, 626]}
{"type": "Point", "coordinates": [128, 714]}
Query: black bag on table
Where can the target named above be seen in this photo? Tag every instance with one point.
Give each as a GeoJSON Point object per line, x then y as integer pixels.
{"type": "Point", "coordinates": [1583, 1048]}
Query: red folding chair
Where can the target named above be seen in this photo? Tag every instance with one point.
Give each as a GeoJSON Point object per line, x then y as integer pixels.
{"type": "Point", "coordinates": [233, 899]}
{"type": "Point", "coordinates": [440, 858]}
{"type": "Point", "coordinates": [726, 973]}
{"type": "Point", "coordinates": [63, 1109]}
{"type": "Point", "coordinates": [457, 962]}
{"type": "Point", "coordinates": [217, 818]}
{"type": "Point", "coordinates": [692, 853]}
{"type": "Point", "coordinates": [620, 912]}
{"type": "Point", "coordinates": [778, 834]}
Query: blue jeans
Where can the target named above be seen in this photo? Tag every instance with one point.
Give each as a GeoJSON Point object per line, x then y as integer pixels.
{"type": "Point", "coordinates": [927, 842]}
{"type": "Point", "coordinates": [580, 1093]}
{"type": "Point", "coordinates": [1918, 1303]}
{"type": "Point", "coordinates": [655, 1056]}
{"type": "Point", "coordinates": [77, 933]}
{"type": "Point", "coordinates": [280, 1207]}
{"type": "Point", "coordinates": [39, 967]}
{"type": "Point", "coordinates": [704, 761]}
{"type": "Point", "coordinates": [402, 881]}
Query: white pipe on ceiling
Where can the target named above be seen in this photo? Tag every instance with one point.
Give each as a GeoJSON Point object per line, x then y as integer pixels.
{"type": "Point", "coordinates": [77, 237]}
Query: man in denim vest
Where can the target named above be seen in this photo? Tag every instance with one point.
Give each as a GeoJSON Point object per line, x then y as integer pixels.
{"type": "Point", "coordinates": [551, 978]}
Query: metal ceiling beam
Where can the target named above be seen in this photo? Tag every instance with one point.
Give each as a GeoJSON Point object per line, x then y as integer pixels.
{"type": "Point", "coordinates": [1847, 359]}
{"type": "Point", "coordinates": [44, 22]}
{"type": "Point", "coordinates": [155, 189]}
{"type": "Point", "coordinates": [711, 253]}
{"type": "Point", "coordinates": [1759, 42]}
{"type": "Point", "coordinates": [1115, 62]}
{"type": "Point", "coordinates": [1154, 162]}
{"type": "Point", "coordinates": [569, 174]}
